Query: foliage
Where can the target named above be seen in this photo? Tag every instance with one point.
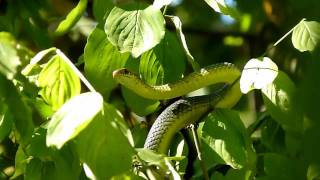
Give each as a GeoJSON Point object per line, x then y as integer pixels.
{"type": "Point", "coordinates": [63, 116]}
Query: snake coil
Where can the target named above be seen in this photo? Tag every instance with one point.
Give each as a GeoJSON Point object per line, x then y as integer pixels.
{"type": "Point", "coordinates": [188, 110]}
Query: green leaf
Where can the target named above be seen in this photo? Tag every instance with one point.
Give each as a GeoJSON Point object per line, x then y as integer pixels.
{"type": "Point", "coordinates": [5, 121]}
{"type": "Point", "coordinates": [225, 140]}
{"type": "Point", "coordinates": [163, 64]}
{"type": "Point", "coordinates": [15, 103]}
{"type": "Point", "coordinates": [9, 60]}
{"type": "Point", "coordinates": [306, 35]}
{"type": "Point", "coordinates": [153, 159]}
{"type": "Point", "coordinates": [103, 147]}
{"type": "Point", "coordinates": [73, 117]}
{"type": "Point", "coordinates": [63, 164]}
{"type": "Point", "coordinates": [135, 28]}
{"type": "Point", "coordinates": [233, 174]}
{"type": "Point", "coordinates": [280, 167]}
{"type": "Point", "coordinates": [58, 82]}
{"type": "Point", "coordinates": [71, 19]}
{"type": "Point", "coordinates": [258, 73]}
{"type": "Point", "coordinates": [21, 160]}
{"type": "Point", "coordinates": [101, 8]}
{"type": "Point", "coordinates": [221, 7]}
{"type": "Point", "coordinates": [278, 98]}
{"type": "Point", "coordinates": [273, 136]}
{"type": "Point", "coordinates": [37, 147]}
{"type": "Point", "coordinates": [101, 59]}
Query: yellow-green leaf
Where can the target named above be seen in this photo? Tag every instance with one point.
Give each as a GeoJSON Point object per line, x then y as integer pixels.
{"type": "Point", "coordinates": [306, 35]}
{"type": "Point", "coordinates": [58, 82]}
{"type": "Point", "coordinates": [71, 19]}
{"type": "Point", "coordinates": [72, 118]}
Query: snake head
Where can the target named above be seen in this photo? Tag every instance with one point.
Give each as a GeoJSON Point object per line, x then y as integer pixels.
{"type": "Point", "coordinates": [121, 72]}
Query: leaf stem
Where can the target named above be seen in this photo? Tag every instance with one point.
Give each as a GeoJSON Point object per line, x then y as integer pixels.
{"type": "Point", "coordinates": [165, 9]}
{"type": "Point", "coordinates": [197, 144]}
{"type": "Point", "coordinates": [75, 70]}
{"type": "Point", "coordinates": [283, 37]}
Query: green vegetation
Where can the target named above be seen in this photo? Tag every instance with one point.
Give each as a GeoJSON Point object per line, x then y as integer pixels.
{"type": "Point", "coordinates": [64, 116]}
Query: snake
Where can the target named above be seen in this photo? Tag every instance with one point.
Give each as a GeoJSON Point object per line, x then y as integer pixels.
{"type": "Point", "coordinates": [185, 111]}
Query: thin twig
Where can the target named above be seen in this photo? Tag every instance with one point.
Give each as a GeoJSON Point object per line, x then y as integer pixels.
{"type": "Point", "coordinates": [284, 36]}
{"type": "Point", "coordinates": [197, 144]}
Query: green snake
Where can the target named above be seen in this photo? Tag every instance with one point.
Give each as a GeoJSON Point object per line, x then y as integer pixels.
{"type": "Point", "coordinates": [185, 111]}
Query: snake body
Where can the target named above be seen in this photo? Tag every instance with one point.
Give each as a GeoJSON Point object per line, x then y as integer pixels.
{"type": "Point", "coordinates": [188, 110]}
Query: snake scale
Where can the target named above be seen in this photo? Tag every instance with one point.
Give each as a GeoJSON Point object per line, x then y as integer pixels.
{"type": "Point", "coordinates": [186, 110]}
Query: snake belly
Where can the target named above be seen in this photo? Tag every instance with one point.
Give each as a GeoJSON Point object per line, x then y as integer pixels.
{"type": "Point", "coordinates": [188, 110]}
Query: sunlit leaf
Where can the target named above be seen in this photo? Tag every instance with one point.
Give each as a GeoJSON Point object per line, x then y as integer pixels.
{"type": "Point", "coordinates": [257, 74]}
{"type": "Point", "coordinates": [135, 28]}
{"type": "Point", "coordinates": [225, 140]}
{"type": "Point", "coordinates": [221, 7]}
{"type": "Point", "coordinates": [102, 144]}
{"type": "Point", "coordinates": [73, 117]}
{"type": "Point", "coordinates": [279, 98]}
{"type": "Point", "coordinates": [9, 60]}
{"type": "Point", "coordinates": [58, 82]}
{"type": "Point", "coordinates": [101, 59]}
{"type": "Point", "coordinates": [71, 19]}
{"type": "Point", "coordinates": [306, 35]}
{"type": "Point", "coordinates": [160, 3]}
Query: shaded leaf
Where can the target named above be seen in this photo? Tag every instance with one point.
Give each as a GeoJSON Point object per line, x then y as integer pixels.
{"type": "Point", "coordinates": [135, 28]}
{"type": "Point", "coordinates": [71, 19]}
{"type": "Point", "coordinates": [9, 60]}
{"type": "Point", "coordinates": [306, 35]}
{"type": "Point", "coordinates": [21, 160]}
{"type": "Point", "coordinates": [280, 167]}
{"type": "Point", "coordinates": [101, 8]}
{"type": "Point", "coordinates": [63, 165]}
{"type": "Point", "coordinates": [58, 82]}
{"type": "Point", "coordinates": [225, 139]}
{"type": "Point", "coordinates": [178, 25]}
{"type": "Point", "coordinates": [5, 121]}
{"type": "Point", "coordinates": [279, 98]}
{"type": "Point", "coordinates": [21, 113]}
{"type": "Point", "coordinates": [72, 118]}
{"type": "Point", "coordinates": [104, 148]}
{"type": "Point", "coordinates": [233, 174]}
{"type": "Point", "coordinates": [257, 74]}
{"type": "Point", "coordinates": [101, 59]}
{"type": "Point", "coordinates": [163, 64]}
